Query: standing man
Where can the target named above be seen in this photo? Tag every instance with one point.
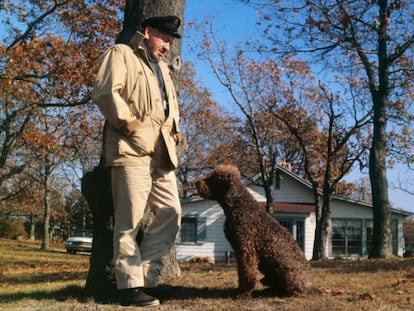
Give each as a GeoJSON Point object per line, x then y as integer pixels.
{"type": "Point", "coordinates": [136, 95]}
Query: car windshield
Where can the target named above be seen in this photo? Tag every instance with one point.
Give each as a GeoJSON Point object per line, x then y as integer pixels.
{"type": "Point", "coordinates": [83, 233]}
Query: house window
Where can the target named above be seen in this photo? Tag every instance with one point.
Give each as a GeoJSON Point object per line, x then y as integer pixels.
{"type": "Point", "coordinates": [296, 228]}
{"type": "Point", "coordinates": [394, 235]}
{"type": "Point", "coordinates": [346, 238]}
{"type": "Point", "coordinates": [369, 231]}
{"type": "Point", "coordinates": [193, 229]}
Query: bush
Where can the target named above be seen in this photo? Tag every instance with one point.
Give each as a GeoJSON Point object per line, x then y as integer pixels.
{"type": "Point", "coordinates": [11, 228]}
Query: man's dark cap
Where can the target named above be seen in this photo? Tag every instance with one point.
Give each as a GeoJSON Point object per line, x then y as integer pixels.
{"type": "Point", "coordinates": [167, 24]}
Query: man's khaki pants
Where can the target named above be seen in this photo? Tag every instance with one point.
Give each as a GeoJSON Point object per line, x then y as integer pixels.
{"type": "Point", "coordinates": [132, 187]}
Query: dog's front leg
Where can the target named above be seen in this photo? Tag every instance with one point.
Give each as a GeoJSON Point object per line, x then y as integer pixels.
{"type": "Point", "coordinates": [246, 269]}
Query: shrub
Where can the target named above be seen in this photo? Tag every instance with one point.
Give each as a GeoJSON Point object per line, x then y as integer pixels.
{"type": "Point", "coordinates": [11, 228]}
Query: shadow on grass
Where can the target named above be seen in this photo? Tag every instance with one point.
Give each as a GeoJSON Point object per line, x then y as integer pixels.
{"type": "Point", "coordinates": [74, 292]}
{"type": "Point", "coordinates": [208, 293]}
{"type": "Point", "coordinates": [69, 292]}
{"type": "Point", "coordinates": [44, 277]}
{"type": "Point", "coordinates": [364, 265]}
{"type": "Point", "coordinates": [189, 293]}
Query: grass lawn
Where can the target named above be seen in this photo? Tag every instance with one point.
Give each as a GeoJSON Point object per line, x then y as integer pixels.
{"type": "Point", "coordinates": [31, 279]}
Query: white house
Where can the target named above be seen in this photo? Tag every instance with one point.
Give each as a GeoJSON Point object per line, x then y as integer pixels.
{"type": "Point", "coordinates": [351, 224]}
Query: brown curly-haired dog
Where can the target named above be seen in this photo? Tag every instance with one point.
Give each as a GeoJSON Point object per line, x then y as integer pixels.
{"type": "Point", "coordinates": [258, 240]}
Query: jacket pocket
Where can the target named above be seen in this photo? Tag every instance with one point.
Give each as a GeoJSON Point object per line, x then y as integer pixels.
{"type": "Point", "coordinates": [141, 141]}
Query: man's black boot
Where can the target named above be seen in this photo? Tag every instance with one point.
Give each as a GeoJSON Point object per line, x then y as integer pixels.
{"type": "Point", "coordinates": [163, 291]}
{"type": "Point", "coordinates": [136, 297]}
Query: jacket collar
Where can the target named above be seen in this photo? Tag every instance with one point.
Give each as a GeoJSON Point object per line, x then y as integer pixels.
{"type": "Point", "coordinates": [136, 41]}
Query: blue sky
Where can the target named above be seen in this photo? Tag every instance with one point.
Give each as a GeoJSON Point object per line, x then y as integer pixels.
{"type": "Point", "coordinates": [235, 22]}
{"type": "Point", "coordinates": [229, 16]}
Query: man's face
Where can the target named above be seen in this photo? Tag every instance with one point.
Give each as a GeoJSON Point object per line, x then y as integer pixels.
{"type": "Point", "coordinates": [158, 42]}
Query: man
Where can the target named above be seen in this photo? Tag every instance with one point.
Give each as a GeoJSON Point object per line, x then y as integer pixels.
{"type": "Point", "coordinates": [137, 97]}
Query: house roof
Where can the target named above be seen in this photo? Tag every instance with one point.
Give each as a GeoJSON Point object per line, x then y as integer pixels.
{"type": "Point", "coordinates": [296, 208]}
{"type": "Point", "coordinates": [335, 197]}
{"type": "Point", "coordinates": [303, 208]}
{"type": "Point", "coordinates": [286, 171]}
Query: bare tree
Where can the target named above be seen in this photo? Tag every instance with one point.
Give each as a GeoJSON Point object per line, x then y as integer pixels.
{"type": "Point", "coordinates": [207, 128]}
{"type": "Point", "coordinates": [371, 41]}
{"type": "Point", "coordinates": [244, 82]}
{"type": "Point", "coordinates": [405, 186]}
{"type": "Point", "coordinates": [281, 101]}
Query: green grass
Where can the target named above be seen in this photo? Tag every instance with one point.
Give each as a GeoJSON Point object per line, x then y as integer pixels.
{"type": "Point", "coordinates": [31, 279]}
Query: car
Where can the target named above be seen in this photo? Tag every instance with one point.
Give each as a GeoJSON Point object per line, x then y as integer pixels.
{"type": "Point", "coordinates": [79, 241]}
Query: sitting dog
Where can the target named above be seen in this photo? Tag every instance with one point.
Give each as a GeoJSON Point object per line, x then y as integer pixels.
{"type": "Point", "coordinates": [258, 240]}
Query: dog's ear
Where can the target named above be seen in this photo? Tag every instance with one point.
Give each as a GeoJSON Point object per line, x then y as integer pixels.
{"type": "Point", "coordinates": [231, 193]}
{"type": "Point", "coordinates": [228, 198]}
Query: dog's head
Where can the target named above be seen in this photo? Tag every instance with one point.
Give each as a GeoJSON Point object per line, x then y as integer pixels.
{"type": "Point", "coordinates": [219, 185]}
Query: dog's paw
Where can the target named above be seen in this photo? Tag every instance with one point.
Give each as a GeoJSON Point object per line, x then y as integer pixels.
{"type": "Point", "coordinates": [242, 295]}
{"type": "Point", "coordinates": [267, 281]}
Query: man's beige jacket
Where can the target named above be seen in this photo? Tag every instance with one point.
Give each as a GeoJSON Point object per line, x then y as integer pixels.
{"type": "Point", "coordinates": [127, 93]}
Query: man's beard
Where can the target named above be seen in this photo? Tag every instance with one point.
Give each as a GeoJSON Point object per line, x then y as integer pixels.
{"type": "Point", "coordinates": [151, 55]}
{"type": "Point", "coordinates": [154, 57]}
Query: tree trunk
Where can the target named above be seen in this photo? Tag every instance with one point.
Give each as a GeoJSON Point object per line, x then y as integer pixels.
{"type": "Point", "coordinates": [96, 185]}
{"type": "Point", "coordinates": [46, 214]}
{"type": "Point", "coordinates": [96, 188]}
{"type": "Point", "coordinates": [326, 215]}
{"type": "Point", "coordinates": [323, 215]}
{"type": "Point", "coordinates": [32, 224]}
{"type": "Point", "coordinates": [318, 241]}
{"type": "Point", "coordinates": [381, 239]}
{"type": "Point", "coordinates": [269, 194]}
{"type": "Point", "coordinates": [321, 232]}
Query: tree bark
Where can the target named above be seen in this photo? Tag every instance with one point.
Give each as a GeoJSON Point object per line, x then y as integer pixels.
{"type": "Point", "coordinates": [96, 185]}
{"type": "Point", "coordinates": [32, 230]}
{"type": "Point", "coordinates": [382, 238]}
{"type": "Point", "coordinates": [96, 188]}
{"type": "Point", "coordinates": [46, 210]}
{"type": "Point", "coordinates": [318, 241]}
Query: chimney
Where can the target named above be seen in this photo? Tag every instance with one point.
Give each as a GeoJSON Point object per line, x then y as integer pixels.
{"type": "Point", "coordinates": [286, 165]}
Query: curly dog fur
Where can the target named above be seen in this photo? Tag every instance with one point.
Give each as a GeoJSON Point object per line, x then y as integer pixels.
{"type": "Point", "coordinates": [258, 240]}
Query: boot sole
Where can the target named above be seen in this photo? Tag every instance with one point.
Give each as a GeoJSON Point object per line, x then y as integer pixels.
{"type": "Point", "coordinates": [141, 304]}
